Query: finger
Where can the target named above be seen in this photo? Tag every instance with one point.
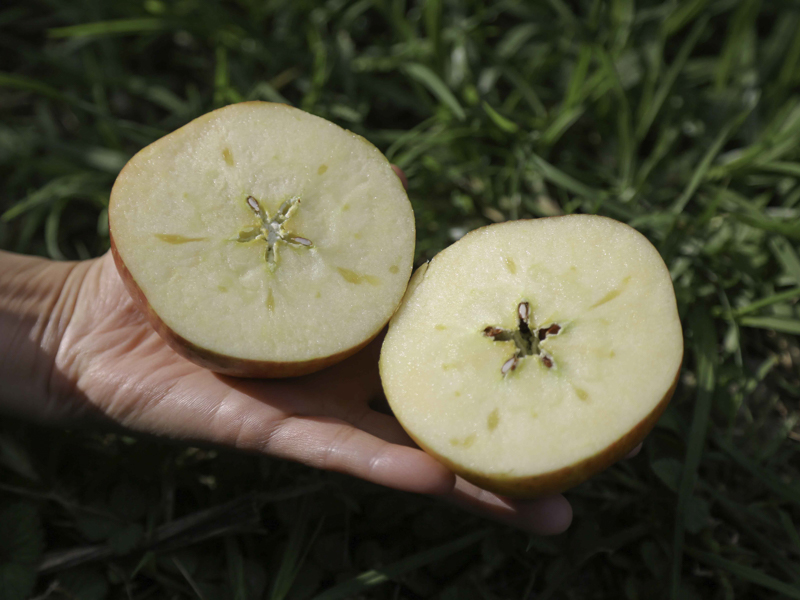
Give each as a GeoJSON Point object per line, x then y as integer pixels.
{"type": "Point", "coordinates": [401, 175]}
{"type": "Point", "coordinates": [385, 427]}
{"type": "Point", "coordinates": [544, 516]}
{"type": "Point", "coordinates": [203, 408]}
{"type": "Point", "coordinates": [345, 403]}
{"type": "Point", "coordinates": [635, 451]}
{"type": "Point", "coordinates": [331, 444]}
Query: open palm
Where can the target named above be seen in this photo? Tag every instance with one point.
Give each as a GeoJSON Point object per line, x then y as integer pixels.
{"type": "Point", "coordinates": [111, 362]}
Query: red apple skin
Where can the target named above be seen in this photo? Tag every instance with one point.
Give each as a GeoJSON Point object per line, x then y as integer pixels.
{"type": "Point", "coordinates": [220, 363]}
{"type": "Point", "coordinates": [554, 482]}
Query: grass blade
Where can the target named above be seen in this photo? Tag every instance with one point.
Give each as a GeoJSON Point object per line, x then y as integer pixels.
{"type": "Point", "coordinates": [782, 324]}
{"type": "Point", "coordinates": [787, 256]}
{"type": "Point", "coordinates": [560, 124]}
{"type": "Point", "coordinates": [235, 560]}
{"type": "Point", "coordinates": [27, 84]}
{"type": "Point", "coordinates": [52, 226]}
{"type": "Point", "coordinates": [683, 14]}
{"type": "Point", "coordinates": [769, 547]}
{"type": "Point", "coordinates": [562, 180]}
{"type": "Point", "coordinates": [784, 491]}
{"type": "Point", "coordinates": [502, 122]}
{"type": "Point", "coordinates": [624, 120]}
{"type": "Point", "coordinates": [515, 39]}
{"type": "Point", "coordinates": [735, 45]}
{"type": "Point", "coordinates": [610, 545]}
{"type": "Point", "coordinates": [368, 579]}
{"type": "Point", "coordinates": [782, 168]}
{"type": "Point", "coordinates": [220, 76]}
{"type": "Point", "coordinates": [788, 74]}
{"type": "Point", "coordinates": [433, 19]}
{"type": "Point", "coordinates": [563, 11]}
{"type": "Point", "coordinates": [778, 138]}
{"type": "Point", "coordinates": [15, 457]}
{"type": "Point", "coordinates": [650, 111]}
{"type": "Point", "coordinates": [703, 166]}
{"type": "Point", "coordinates": [577, 82]}
{"type": "Point", "coordinates": [63, 187]}
{"type": "Point", "coordinates": [789, 228]}
{"type": "Point", "coordinates": [526, 91]}
{"type": "Point", "coordinates": [705, 351]}
{"type": "Point", "coordinates": [102, 28]}
{"type": "Point", "coordinates": [768, 301]}
{"type": "Point", "coordinates": [436, 86]}
{"type": "Point", "coordinates": [791, 530]}
{"type": "Point", "coordinates": [746, 573]}
{"type": "Point", "coordinates": [294, 555]}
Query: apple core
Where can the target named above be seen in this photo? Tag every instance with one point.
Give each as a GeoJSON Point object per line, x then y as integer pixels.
{"type": "Point", "coordinates": [271, 229]}
{"type": "Point", "coordinates": [528, 341]}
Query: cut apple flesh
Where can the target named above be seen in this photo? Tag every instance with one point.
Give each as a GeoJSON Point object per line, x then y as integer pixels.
{"type": "Point", "coordinates": [531, 354]}
{"type": "Point", "coordinates": [263, 240]}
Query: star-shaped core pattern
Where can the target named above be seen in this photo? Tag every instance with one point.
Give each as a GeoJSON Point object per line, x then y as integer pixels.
{"type": "Point", "coordinates": [271, 229]}
{"type": "Point", "coordinates": [525, 339]}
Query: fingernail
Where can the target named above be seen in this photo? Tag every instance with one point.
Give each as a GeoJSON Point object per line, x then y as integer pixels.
{"type": "Point", "coordinates": [548, 516]}
{"type": "Point", "coordinates": [401, 175]}
{"type": "Point", "coordinates": [634, 452]}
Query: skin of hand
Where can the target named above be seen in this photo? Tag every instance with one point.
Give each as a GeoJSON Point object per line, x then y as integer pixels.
{"type": "Point", "coordinates": [79, 349]}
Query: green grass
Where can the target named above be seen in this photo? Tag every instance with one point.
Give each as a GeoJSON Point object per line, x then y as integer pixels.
{"type": "Point", "coordinates": [679, 117]}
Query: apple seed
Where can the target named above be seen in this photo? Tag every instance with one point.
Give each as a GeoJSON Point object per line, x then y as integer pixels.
{"type": "Point", "coordinates": [509, 365]}
{"type": "Point", "coordinates": [551, 330]}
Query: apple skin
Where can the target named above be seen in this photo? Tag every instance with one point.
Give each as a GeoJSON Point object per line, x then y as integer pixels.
{"type": "Point", "coordinates": [560, 480]}
{"type": "Point", "coordinates": [220, 363]}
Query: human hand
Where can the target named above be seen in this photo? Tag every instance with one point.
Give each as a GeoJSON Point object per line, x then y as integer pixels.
{"type": "Point", "coordinates": [102, 358]}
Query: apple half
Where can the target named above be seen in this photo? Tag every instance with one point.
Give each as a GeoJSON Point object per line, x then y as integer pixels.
{"type": "Point", "coordinates": [262, 241]}
{"type": "Point", "coordinates": [530, 355]}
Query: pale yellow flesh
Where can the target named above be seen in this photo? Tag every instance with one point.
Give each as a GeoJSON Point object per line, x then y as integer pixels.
{"type": "Point", "coordinates": [615, 358]}
{"type": "Point", "coordinates": [178, 207]}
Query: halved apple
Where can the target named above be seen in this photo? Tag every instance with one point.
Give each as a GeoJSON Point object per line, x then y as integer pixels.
{"type": "Point", "coordinates": [531, 354]}
{"type": "Point", "coordinates": [263, 241]}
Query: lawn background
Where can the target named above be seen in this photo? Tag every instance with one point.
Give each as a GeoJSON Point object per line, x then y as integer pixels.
{"type": "Point", "coordinates": [680, 118]}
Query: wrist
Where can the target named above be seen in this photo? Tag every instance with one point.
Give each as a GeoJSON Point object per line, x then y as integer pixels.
{"type": "Point", "coordinates": [37, 297]}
